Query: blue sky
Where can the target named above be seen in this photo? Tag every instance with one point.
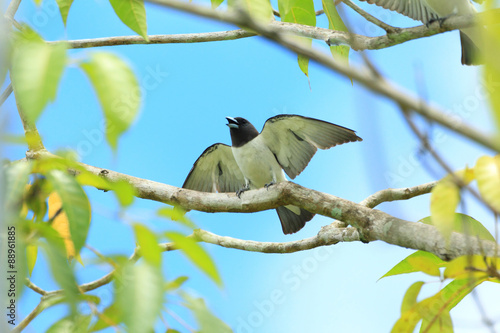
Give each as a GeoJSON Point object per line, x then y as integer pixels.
{"type": "Point", "coordinates": [189, 89]}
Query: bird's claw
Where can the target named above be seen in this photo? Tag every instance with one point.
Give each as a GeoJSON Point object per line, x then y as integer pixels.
{"type": "Point", "coordinates": [440, 20]}
{"type": "Point", "coordinates": [269, 184]}
{"type": "Point", "coordinates": [241, 190]}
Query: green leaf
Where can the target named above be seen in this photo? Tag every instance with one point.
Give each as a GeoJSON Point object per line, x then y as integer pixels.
{"type": "Point", "coordinates": [410, 298]}
{"type": "Point", "coordinates": [111, 316]}
{"type": "Point", "coordinates": [31, 255]}
{"type": "Point", "coordinates": [216, 3]}
{"type": "Point", "coordinates": [194, 252]}
{"type": "Point", "coordinates": [335, 23]}
{"type": "Point", "coordinates": [139, 296]}
{"type": "Point", "coordinates": [16, 178]}
{"type": "Point", "coordinates": [175, 284]}
{"type": "Point", "coordinates": [259, 10]}
{"type": "Point", "coordinates": [176, 214]}
{"type": "Point", "coordinates": [467, 225]}
{"type": "Point", "coordinates": [148, 242]}
{"type": "Point", "coordinates": [78, 324]}
{"type": "Point", "coordinates": [433, 310]}
{"type": "Point", "coordinates": [301, 12]}
{"type": "Point", "coordinates": [420, 261]}
{"type": "Point", "coordinates": [64, 6]}
{"type": "Point", "coordinates": [470, 266]}
{"type": "Point", "coordinates": [487, 172]}
{"type": "Point", "coordinates": [133, 14]}
{"type": "Point", "coordinates": [124, 192]}
{"type": "Point", "coordinates": [207, 321]}
{"type": "Point", "coordinates": [75, 204]}
{"type": "Point", "coordinates": [445, 197]}
{"type": "Point", "coordinates": [118, 92]}
{"type": "Point", "coordinates": [439, 324]}
{"type": "Point", "coordinates": [36, 70]}
{"type": "Point", "coordinates": [490, 51]}
{"type": "Point", "coordinates": [60, 268]}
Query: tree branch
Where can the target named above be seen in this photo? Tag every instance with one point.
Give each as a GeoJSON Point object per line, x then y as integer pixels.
{"type": "Point", "coordinates": [393, 194]}
{"type": "Point", "coordinates": [34, 287]}
{"type": "Point", "coordinates": [375, 83]}
{"type": "Point", "coordinates": [357, 42]}
{"type": "Point", "coordinates": [371, 224]}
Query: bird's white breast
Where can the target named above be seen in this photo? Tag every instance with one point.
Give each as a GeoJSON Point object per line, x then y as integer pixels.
{"type": "Point", "coordinates": [257, 163]}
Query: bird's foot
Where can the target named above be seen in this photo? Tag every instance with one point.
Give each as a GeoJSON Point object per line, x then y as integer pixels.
{"type": "Point", "coordinates": [440, 20]}
{"type": "Point", "coordinates": [269, 184]}
{"type": "Point", "coordinates": [241, 190]}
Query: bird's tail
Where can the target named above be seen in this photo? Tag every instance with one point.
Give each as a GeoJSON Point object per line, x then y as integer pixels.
{"type": "Point", "coordinates": [471, 54]}
{"type": "Point", "coordinates": [292, 222]}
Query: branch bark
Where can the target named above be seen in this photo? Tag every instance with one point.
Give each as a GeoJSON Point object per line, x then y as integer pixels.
{"type": "Point", "coordinates": [371, 224]}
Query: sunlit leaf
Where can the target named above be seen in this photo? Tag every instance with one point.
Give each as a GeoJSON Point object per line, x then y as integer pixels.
{"type": "Point", "coordinates": [301, 12]}
{"type": "Point", "coordinates": [177, 215]}
{"type": "Point", "coordinates": [148, 242]}
{"type": "Point", "coordinates": [75, 204]}
{"type": "Point", "coordinates": [420, 261]}
{"type": "Point", "coordinates": [410, 298]}
{"type": "Point", "coordinates": [470, 266]}
{"type": "Point", "coordinates": [36, 70]}
{"type": "Point", "coordinates": [64, 6]}
{"type": "Point", "coordinates": [78, 324]}
{"type": "Point", "coordinates": [335, 23]}
{"type": "Point", "coordinates": [118, 91]}
{"type": "Point", "coordinates": [216, 3]}
{"type": "Point", "coordinates": [438, 324]}
{"type": "Point", "coordinates": [196, 254]}
{"type": "Point", "coordinates": [139, 296]}
{"type": "Point", "coordinates": [466, 225]}
{"type": "Point", "coordinates": [175, 284]}
{"type": "Point", "coordinates": [133, 14]}
{"type": "Point", "coordinates": [124, 192]}
{"type": "Point", "coordinates": [445, 197]}
{"type": "Point", "coordinates": [111, 316]}
{"type": "Point", "coordinates": [31, 255]}
{"type": "Point", "coordinates": [490, 50]}
{"type": "Point", "coordinates": [207, 321]}
{"type": "Point", "coordinates": [487, 172]}
{"type": "Point", "coordinates": [259, 10]}
{"type": "Point", "coordinates": [433, 309]}
{"type": "Point", "coordinates": [60, 223]}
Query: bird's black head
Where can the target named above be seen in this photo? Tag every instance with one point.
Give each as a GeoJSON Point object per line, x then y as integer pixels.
{"type": "Point", "coordinates": [242, 131]}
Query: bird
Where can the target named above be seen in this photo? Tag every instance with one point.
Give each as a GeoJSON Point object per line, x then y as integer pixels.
{"type": "Point", "coordinates": [286, 144]}
{"type": "Point", "coordinates": [428, 11]}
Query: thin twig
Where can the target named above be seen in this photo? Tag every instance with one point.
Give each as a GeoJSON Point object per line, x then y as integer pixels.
{"type": "Point", "coordinates": [12, 9]}
{"type": "Point", "coordinates": [5, 94]}
{"type": "Point", "coordinates": [376, 84]}
{"type": "Point", "coordinates": [34, 287]}
{"type": "Point", "coordinates": [391, 194]}
{"type": "Point", "coordinates": [459, 182]}
{"type": "Point", "coordinates": [388, 28]}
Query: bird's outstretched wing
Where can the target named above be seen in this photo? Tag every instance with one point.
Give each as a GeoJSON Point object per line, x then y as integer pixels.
{"type": "Point", "coordinates": [215, 171]}
{"type": "Point", "coordinates": [295, 139]}
{"type": "Point", "coordinates": [415, 9]}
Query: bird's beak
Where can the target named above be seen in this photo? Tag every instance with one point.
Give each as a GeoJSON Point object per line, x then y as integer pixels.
{"type": "Point", "coordinates": [232, 123]}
